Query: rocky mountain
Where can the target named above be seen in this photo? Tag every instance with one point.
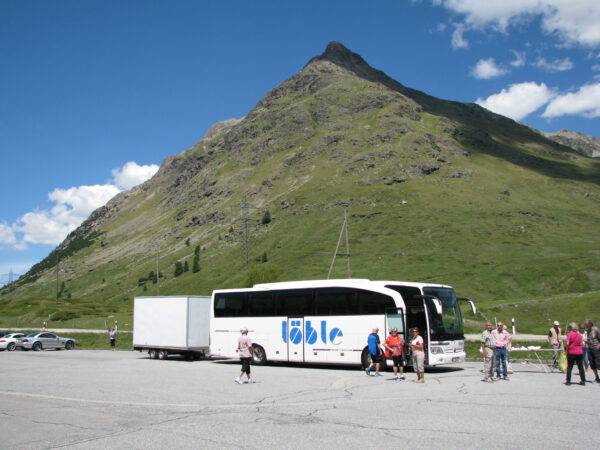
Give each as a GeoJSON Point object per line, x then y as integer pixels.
{"type": "Point", "coordinates": [580, 142]}
{"type": "Point", "coordinates": [434, 190]}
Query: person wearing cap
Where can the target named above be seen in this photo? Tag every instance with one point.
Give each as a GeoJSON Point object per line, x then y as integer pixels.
{"type": "Point", "coordinates": [555, 340]}
{"type": "Point", "coordinates": [375, 352]}
{"type": "Point", "coordinates": [244, 350]}
{"type": "Point", "coordinates": [488, 346]}
{"type": "Point", "coordinates": [394, 350]}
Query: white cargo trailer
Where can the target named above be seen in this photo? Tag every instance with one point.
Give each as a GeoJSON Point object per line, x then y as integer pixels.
{"type": "Point", "coordinates": [171, 325]}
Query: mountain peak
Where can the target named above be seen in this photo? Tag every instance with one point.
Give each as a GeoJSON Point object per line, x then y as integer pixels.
{"type": "Point", "coordinates": [339, 54]}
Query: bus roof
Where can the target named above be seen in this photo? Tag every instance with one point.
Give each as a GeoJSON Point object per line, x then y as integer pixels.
{"type": "Point", "coordinates": [343, 282]}
{"type": "Point", "coordinates": [409, 283]}
{"type": "Point", "coordinates": [352, 282]}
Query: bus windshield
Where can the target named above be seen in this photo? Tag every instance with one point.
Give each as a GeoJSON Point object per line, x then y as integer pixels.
{"type": "Point", "coordinates": [448, 325]}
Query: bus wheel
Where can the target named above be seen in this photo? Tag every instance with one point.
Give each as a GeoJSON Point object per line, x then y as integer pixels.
{"type": "Point", "coordinates": [162, 354]}
{"type": "Point", "coordinates": [152, 354]}
{"type": "Point", "coordinates": [366, 361]}
{"type": "Point", "coordinates": [259, 357]}
{"type": "Point", "coordinates": [365, 358]}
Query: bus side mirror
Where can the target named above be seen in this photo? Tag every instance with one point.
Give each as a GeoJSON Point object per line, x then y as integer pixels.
{"type": "Point", "coordinates": [471, 304]}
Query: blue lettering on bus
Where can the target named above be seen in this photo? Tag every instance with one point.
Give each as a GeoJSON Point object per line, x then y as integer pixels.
{"type": "Point", "coordinates": [294, 333]}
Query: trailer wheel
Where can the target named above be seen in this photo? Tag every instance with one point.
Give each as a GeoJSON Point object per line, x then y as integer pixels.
{"type": "Point", "coordinates": [162, 354]}
{"type": "Point", "coordinates": [152, 353]}
{"type": "Point", "coordinates": [259, 357]}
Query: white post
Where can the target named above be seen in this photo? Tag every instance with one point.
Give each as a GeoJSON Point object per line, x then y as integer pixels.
{"type": "Point", "coordinates": [513, 326]}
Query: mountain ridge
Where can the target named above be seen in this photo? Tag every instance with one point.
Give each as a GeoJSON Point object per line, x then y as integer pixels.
{"type": "Point", "coordinates": [580, 142]}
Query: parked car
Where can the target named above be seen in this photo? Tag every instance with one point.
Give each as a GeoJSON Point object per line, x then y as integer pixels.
{"type": "Point", "coordinates": [44, 340]}
{"type": "Point", "coordinates": [11, 341]}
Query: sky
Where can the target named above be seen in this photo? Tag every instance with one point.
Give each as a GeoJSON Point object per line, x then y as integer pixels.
{"type": "Point", "coordinates": [94, 95]}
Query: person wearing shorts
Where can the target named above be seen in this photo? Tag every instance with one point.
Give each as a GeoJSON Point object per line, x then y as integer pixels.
{"type": "Point", "coordinates": [244, 350]}
{"type": "Point", "coordinates": [418, 355]}
{"type": "Point", "coordinates": [394, 349]}
{"type": "Point", "coordinates": [375, 352]}
{"type": "Point", "coordinates": [112, 337]}
{"type": "Point", "coordinates": [593, 342]}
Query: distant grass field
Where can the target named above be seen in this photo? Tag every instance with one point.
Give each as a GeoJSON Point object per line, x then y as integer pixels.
{"type": "Point", "coordinates": [472, 350]}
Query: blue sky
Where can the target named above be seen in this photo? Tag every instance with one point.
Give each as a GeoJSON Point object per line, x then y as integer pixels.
{"type": "Point", "coordinates": [88, 86]}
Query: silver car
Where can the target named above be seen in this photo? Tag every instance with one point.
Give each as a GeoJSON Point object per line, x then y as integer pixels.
{"type": "Point", "coordinates": [11, 341]}
{"type": "Point", "coordinates": [45, 340]}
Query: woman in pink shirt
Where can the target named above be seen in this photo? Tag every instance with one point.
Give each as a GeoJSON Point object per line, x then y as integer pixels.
{"type": "Point", "coordinates": [244, 350]}
{"type": "Point", "coordinates": [574, 353]}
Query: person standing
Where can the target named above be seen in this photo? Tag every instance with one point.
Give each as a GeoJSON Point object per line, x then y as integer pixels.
{"type": "Point", "coordinates": [418, 355]}
{"type": "Point", "coordinates": [593, 341]}
{"type": "Point", "coordinates": [375, 352]}
{"type": "Point", "coordinates": [394, 346]}
{"type": "Point", "coordinates": [244, 350]}
{"type": "Point", "coordinates": [508, 349]}
{"type": "Point", "coordinates": [501, 341]}
{"type": "Point", "coordinates": [574, 353]}
{"type": "Point", "coordinates": [555, 340]}
{"type": "Point", "coordinates": [583, 332]}
{"type": "Point", "coordinates": [112, 338]}
{"type": "Point", "coordinates": [488, 346]}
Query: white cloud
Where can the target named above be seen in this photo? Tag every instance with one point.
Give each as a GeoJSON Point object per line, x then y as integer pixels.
{"type": "Point", "coordinates": [574, 22]}
{"type": "Point", "coordinates": [518, 100]}
{"type": "Point", "coordinates": [441, 27]}
{"type": "Point", "coordinates": [458, 40]}
{"type": "Point", "coordinates": [558, 65]}
{"type": "Point", "coordinates": [519, 60]}
{"type": "Point", "coordinates": [486, 69]}
{"type": "Point", "coordinates": [70, 208]}
{"type": "Point", "coordinates": [7, 236]}
{"type": "Point", "coordinates": [584, 102]}
{"type": "Point", "coordinates": [132, 174]}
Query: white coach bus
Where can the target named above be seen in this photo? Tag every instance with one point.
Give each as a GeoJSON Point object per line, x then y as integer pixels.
{"type": "Point", "coordinates": [327, 321]}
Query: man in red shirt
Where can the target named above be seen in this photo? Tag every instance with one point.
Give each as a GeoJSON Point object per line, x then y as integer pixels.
{"type": "Point", "coordinates": [394, 349]}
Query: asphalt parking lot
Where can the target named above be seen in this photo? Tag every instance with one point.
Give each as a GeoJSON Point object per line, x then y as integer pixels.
{"type": "Point", "coordinates": [102, 399]}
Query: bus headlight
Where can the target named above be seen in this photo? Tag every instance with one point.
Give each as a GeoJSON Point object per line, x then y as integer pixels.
{"type": "Point", "coordinates": [437, 350]}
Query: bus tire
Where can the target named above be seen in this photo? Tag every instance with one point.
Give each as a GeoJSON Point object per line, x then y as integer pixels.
{"type": "Point", "coordinates": [162, 354]}
{"type": "Point", "coordinates": [365, 359]}
{"type": "Point", "coordinates": [152, 354]}
{"type": "Point", "coordinates": [259, 356]}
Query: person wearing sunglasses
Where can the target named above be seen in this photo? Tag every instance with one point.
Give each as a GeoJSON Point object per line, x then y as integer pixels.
{"type": "Point", "coordinates": [394, 350]}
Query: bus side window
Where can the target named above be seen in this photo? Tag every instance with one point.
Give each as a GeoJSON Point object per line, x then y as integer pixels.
{"type": "Point", "coordinates": [261, 304]}
{"type": "Point", "coordinates": [374, 302]}
{"type": "Point", "coordinates": [231, 304]}
{"type": "Point", "coordinates": [335, 302]}
{"type": "Point", "coordinates": [295, 303]}
{"type": "Point", "coordinates": [219, 305]}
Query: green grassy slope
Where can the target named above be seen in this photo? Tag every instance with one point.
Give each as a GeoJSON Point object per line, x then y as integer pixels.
{"type": "Point", "coordinates": [435, 191]}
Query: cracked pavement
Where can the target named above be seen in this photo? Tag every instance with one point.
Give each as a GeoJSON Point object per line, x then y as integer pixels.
{"type": "Point", "coordinates": [99, 399]}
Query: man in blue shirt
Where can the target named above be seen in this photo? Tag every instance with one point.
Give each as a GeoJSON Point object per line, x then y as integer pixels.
{"type": "Point", "coordinates": [375, 352]}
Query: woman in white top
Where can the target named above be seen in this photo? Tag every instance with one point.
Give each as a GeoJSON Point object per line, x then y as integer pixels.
{"type": "Point", "coordinates": [418, 355]}
{"type": "Point", "coordinates": [244, 350]}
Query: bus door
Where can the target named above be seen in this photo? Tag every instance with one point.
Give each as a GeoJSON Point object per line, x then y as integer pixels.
{"type": "Point", "coordinates": [394, 318]}
{"type": "Point", "coordinates": [295, 341]}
